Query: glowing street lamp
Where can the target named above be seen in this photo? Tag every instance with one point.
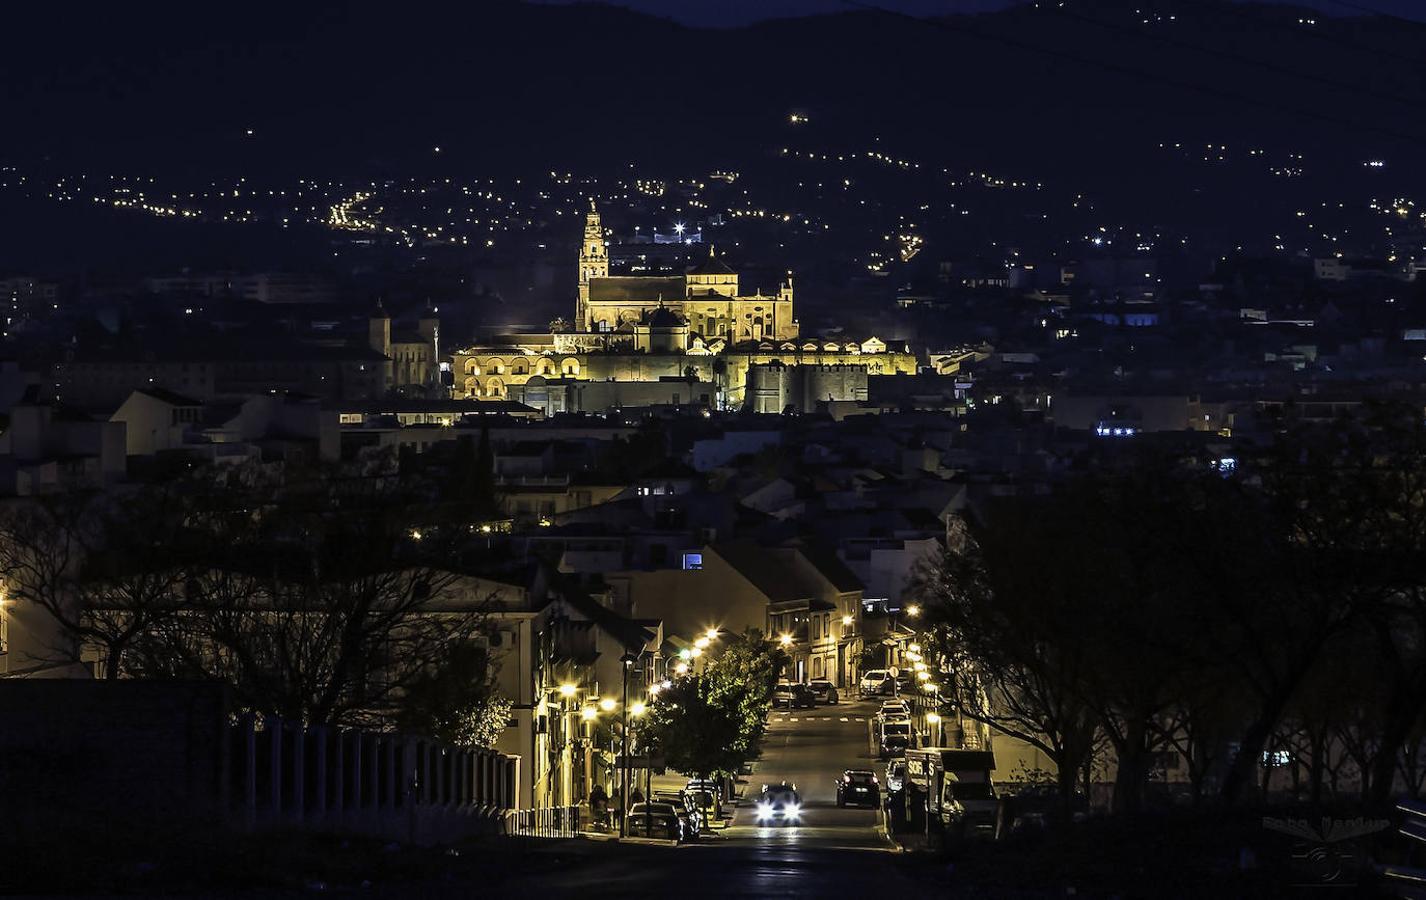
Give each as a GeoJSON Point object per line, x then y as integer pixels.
{"type": "Point", "coordinates": [701, 644]}
{"type": "Point", "coordinates": [567, 690]}
{"type": "Point", "coordinates": [914, 648]}
{"type": "Point", "coordinates": [697, 652]}
{"type": "Point", "coordinates": [588, 713]}
{"type": "Point", "coordinates": [913, 610]}
{"type": "Point", "coordinates": [681, 669]}
{"type": "Point", "coordinates": [685, 654]}
{"type": "Point", "coordinates": [711, 634]}
{"type": "Point", "coordinates": [607, 704]}
{"type": "Point", "coordinates": [846, 621]}
{"type": "Point", "coordinates": [637, 709]}
{"type": "Point", "coordinates": [654, 689]}
{"type": "Point", "coordinates": [923, 675]}
{"type": "Point", "coordinates": [785, 640]}
{"type": "Point", "coordinates": [933, 718]}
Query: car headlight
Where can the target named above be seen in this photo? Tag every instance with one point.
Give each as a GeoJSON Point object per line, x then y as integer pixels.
{"type": "Point", "coordinates": [764, 811]}
{"type": "Point", "coordinates": [794, 811]}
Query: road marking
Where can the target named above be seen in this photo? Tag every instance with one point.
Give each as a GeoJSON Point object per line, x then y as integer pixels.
{"type": "Point", "coordinates": [792, 720]}
{"type": "Point", "coordinates": [861, 718]}
{"type": "Point", "coordinates": [843, 719]}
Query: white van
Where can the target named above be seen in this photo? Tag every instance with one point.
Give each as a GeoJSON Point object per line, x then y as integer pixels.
{"type": "Point", "coordinates": [875, 681]}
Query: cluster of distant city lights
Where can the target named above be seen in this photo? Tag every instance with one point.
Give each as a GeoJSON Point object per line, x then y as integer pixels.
{"type": "Point", "coordinates": [839, 191]}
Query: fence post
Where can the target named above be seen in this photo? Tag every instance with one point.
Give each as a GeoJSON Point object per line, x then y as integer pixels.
{"type": "Point", "coordinates": [274, 730]}
{"type": "Point", "coordinates": [339, 777]}
{"type": "Point", "coordinates": [319, 734]}
{"type": "Point", "coordinates": [299, 772]}
{"type": "Point", "coordinates": [249, 732]}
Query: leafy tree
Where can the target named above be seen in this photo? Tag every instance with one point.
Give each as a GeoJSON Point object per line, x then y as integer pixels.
{"type": "Point", "coordinates": [456, 702]}
{"type": "Point", "coordinates": [696, 731]}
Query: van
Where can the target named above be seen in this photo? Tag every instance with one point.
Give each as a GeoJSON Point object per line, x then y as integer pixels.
{"type": "Point", "coordinates": [875, 681]}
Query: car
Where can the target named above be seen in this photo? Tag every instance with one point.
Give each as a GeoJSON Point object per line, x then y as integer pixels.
{"type": "Point", "coordinates": [793, 696]}
{"type": "Point", "coordinates": [895, 776]}
{"type": "Point", "coordinates": [895, 708]}
{"type": "Point", "coordinates": [687, 808]}
{"type": "Point", "coordinates": [875, 681]}
{"type": "Point", "coordinates": [707, 796]}
{"type": "Point", "coordinates": [655, 820]}
{"type": "Point", "coordinates": [894, 736]}
{"type": "Point", "coordinates": [779, 804]}
{"type": "Point", "coordinates": [858, 787]}
{"type": "Point", "coordinates": [824, 690]}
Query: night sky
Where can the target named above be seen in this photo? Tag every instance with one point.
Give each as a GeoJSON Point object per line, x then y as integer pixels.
{"type": "Point", "coordinates": [726, 13]}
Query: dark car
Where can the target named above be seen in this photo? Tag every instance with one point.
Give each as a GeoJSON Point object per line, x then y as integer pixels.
{"type": "Point", "coordinates": [793, 696]}
{"type": "Point", "coordinates": [687, 808]}
{"type": "Point", "coordinates": [858, 787]}
{"type": "Point", "coordinates": [779, 804]}
{"type": "Point", "coordinates": [658, 820]}
{"type": "Point", "coordinates": [824, 690]}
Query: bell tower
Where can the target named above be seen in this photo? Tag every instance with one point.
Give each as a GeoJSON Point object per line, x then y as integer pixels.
{"type": "Point", "coordinates": [593, 263]}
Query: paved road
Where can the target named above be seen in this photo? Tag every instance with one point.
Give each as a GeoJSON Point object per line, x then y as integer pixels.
{"type": "Point", "coordinates": [835, 853]}
{"type": "Point", "coordinates": [810, 748]}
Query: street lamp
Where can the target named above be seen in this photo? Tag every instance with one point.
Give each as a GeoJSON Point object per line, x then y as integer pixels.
{"type": "Point", "coordinates": [846, 621]}
{"type": "Point", "coordinates": [711, 634]}
{"type": "Point", "coordinates": [608, 703]}
{"type": "Point", "coordinates": [681, 669]}
{"type": "Point", "coordinates": [914, 648]}
{"type": "Point", "coordinates": [567, 690]}
{"type": "Point", "coordinates": [785, 640]}
{"type": "Point", "coordinates": [913, 610]}
{"type": "Point", "coordinates": [588, 714]}
{"type": "Point", "coordinates": [637, 709]}
{"type": "Point", "coordinates": [701, 644]}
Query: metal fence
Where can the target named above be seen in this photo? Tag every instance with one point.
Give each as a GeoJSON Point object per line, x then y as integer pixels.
{"type": "Point", "coordinates": [291, 774]}
{"type": "Point", "coordinates": [551, 822]}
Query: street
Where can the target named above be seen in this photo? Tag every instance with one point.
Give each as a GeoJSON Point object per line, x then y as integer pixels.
{"type": "Point", "coordinates": [838, 852]}
{"type": "Point", "coordinates": [809, 748]}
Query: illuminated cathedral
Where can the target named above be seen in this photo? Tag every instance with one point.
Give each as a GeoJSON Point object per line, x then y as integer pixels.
{"type": "Point", "coordinates": [696, 328]}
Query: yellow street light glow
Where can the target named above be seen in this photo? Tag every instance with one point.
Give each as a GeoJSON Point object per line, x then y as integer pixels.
{"type": "Point", "coordinates": [913, 610]}
{"type": "Point", "coordinates": [701, 644]}
{"type": "Point", "coordinates": [567, 690]}
{"type": "Point", "coordinates": [654, 689]}
{"type": "Point", "coordinates": [913, 656]}
{"type": "Point", "coordinates": [681, 669]}
{"type": "Point", "coordinates": [846, 620]}
{"type": "Point", "coordinates": [933, 718]}
{"type": "Point", "coordinates": [588, 713]}
{"type": "Point", "coordinates": [914, 648]}
{"type": "Point", "coordinates": [923, 675]}
{"type": "Point", "coordinates": [920, 667]}
{"type": "Point", "coordinates": [786, 640]}
{"type": "Point", "coordinates": [607, 704]}
{"type": "Point", "coordinates": [711, 634]}
{"type": "Point", "coordinates": [697, 652]}
{"type": "Point", "coordinates": [636, 709]}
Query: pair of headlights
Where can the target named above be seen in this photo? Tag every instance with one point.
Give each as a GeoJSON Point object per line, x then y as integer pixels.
{"type": "Point", "coordinates": [791, 812]}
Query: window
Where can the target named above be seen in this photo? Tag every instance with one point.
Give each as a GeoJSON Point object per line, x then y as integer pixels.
{"type": "Point", "coordinates": [692, 561]}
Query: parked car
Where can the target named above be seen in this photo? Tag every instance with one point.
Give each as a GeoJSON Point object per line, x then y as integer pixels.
{"type": "Point", "coordinates": [779, 804]}
{"type": "Point", "coordinates": [894, 737]}
{"type": "Point", "coordinates": [895, 776]}
{"type": "Point", "coordinates": [688, 810]}
{"type": "Point", "coordinates": [875, 681]}
{"type": "Point", "coordinates": [858, 787]}
{"type": "Point", "coordinates": [896, 708]}
{"type": "Point", "coordinates": [656, 820]}
{"type": "Point", "coordinates": [793, 696]}
{"type": "Point", "coordinates": [825, 691]}
{"type": "Point", "coordinates": [708, 795]}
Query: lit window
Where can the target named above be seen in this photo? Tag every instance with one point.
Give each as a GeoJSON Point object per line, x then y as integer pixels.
{"type": "Point", "coordinates": [692, 561]}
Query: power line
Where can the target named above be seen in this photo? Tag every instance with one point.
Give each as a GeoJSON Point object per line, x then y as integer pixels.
{"type": "Point", "coordinates": [1140, 74]}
